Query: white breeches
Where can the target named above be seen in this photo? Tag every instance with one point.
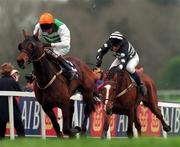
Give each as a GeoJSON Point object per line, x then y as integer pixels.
{"type": "Point", "coordinates": [131, 65]}
{"type": "Point", "coordinates": [61, 51]}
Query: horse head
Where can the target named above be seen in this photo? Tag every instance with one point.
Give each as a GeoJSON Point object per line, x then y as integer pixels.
{"type": "Point", "coordinates": [28, 49]}
{"type": "Point", "coordinates": [109, 90]}
{"type": "Point", "coordinates": [114, 84]}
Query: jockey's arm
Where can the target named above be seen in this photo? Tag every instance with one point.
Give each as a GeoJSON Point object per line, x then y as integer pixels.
{"type": "Point", "coordinates": [123, 56]}
{"type": "Point", "coordinates": [62, 47]}
{"type": "Point", "coordinates": [102, 51]}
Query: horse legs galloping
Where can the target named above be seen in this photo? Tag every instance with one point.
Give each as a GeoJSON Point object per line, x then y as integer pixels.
{"type": "Point", "coordinates": [106, 124]}
{"type": "Point", "coordinates": [89, 107]}
{"type": "Point", "coordinates": [49, 111]}
{"type": "Point", "coordinates": [130, 123]}
{"type": "Point", "coordinates": [155, 109]}
{"type": "Point", "coordinates": [136, 119]}
{"type": "Point", "coordinates": [67, 123]}
{"type": "Point", "coordinates": [87, 113]}
{"type": "Point", "coordinates": [151, 101]}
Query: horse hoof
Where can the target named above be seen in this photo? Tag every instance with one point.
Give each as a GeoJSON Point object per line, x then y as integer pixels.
{"type": "Point", "coordinates": [60, 135]}
{"type": "Point", "coordinates": [78, 129]}
{"type": "Point", "coordinates": [73, 132]}
{"type": "Point", "coordinates": [167, 128]}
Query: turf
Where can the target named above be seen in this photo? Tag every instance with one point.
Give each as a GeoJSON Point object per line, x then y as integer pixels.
{"type": "Point", "coordinates": [91, 142]}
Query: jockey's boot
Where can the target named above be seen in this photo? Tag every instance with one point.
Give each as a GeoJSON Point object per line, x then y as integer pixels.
{"type": "Point", "coordinates": [139, 83]}
{"type": "Point", "coordinates": [70, 73]}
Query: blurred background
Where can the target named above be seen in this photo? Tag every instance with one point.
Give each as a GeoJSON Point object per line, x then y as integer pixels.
{"type": "Point", "coordinates": [152, 26]}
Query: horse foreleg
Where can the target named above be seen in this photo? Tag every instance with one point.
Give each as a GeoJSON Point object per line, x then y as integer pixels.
{"type": "Point", "coordinates": [49, 111]}
{"type": "Point", "coordinates": [87, 112]}
{"type": "Point", "coordinates": [106, 125]}
{"type": "Point", "coordinates": [89, 107]}
{"type": "Point", "coordinates": [130, 124]}
{"type": "Point", "coordinates": [137, 124]}
{"type": "Point", "coordinates": [136, 119]}
{"type": "Point", "coordinates": [71, 108]}
{"type": "Point", "coordinates": [66, 119]}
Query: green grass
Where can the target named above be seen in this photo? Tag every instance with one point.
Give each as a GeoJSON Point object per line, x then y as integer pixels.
{"type": "Point", "coordinates": [91, 142]}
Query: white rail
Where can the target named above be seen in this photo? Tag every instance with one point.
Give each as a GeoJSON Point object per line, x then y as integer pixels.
{"type": "Point", "coordinates": [10, 95]}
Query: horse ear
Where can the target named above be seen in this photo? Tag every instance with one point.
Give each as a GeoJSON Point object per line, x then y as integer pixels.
{"type": "Point", "coordinates": [25, 34]}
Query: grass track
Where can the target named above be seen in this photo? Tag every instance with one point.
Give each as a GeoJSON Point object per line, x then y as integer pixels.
{"type": "Point", "coordinates": [91, 142]}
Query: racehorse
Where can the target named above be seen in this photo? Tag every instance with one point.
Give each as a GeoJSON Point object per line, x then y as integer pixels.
{"type": "Point", "coordinates": [121, 96]}
{"type": "Point", "coordinates": [51, 87]}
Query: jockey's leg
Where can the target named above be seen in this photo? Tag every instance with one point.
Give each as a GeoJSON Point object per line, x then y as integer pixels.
{"type": "Point", "coordinates": [70, 73]}
{"type": "Point", "coordinates": [139, 83]}
{"type": "Point", "coordinates": [130, 67]}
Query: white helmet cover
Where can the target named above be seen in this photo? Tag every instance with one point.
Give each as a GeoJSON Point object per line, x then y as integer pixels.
{"type": "Point", "coordinates": [116, 35]}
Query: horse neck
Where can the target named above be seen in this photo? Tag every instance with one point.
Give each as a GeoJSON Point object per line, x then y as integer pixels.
{"type": "Point", "coordinates": [44, 70]}
{"type": "Point", "coordinates": [122, 80]}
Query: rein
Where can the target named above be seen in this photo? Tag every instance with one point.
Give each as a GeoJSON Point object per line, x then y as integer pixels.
{"type": "Point", "coordinates": [51, 81]}
{"type": "Point", "coordinates": [39, 58]}
{"type": "Point", "coordinates": [125, 90]}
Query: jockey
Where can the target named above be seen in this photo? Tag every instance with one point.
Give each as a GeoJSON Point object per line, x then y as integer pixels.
{"type": "Point", "coordinates": [55, 36]}
{"type": "Point", "coordinates": [126, 57]}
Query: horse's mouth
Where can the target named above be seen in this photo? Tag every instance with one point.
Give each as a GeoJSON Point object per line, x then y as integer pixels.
{"type": "Point", "coordinates": [21, 63]}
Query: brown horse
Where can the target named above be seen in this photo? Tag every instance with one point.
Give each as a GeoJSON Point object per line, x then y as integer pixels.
{"type": "Point", "coordinates": [121, 96]}
{"type": "Point", "coordinates": [51, 88]}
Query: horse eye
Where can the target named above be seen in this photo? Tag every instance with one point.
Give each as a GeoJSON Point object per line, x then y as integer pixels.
{"type": "Point", "coordinates": [20, 47]}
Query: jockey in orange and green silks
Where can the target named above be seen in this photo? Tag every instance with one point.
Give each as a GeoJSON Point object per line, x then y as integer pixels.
{"type": "Point", "coordinates": [58, 38]}
{"type": "Point", "coordinates": [55, 36]}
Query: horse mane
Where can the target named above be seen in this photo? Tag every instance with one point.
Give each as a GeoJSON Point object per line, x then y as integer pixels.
{"type": "Point", "coordinates": [114, 71]}
{"type": "Point", "coordinates": [119, 76]}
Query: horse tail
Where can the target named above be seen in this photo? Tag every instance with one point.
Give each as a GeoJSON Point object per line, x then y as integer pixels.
{"type": "Point", "coordinates": [151, 98]}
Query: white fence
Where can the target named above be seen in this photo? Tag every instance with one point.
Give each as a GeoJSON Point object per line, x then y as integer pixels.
{"type": "Point", "coordinates": [10, 95]}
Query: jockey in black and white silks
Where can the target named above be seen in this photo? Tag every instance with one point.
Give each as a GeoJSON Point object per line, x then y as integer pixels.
{"type": "Point", "coordinates": [126, 56]}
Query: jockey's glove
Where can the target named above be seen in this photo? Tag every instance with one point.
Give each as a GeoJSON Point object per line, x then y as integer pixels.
{"type": "Point", "coordinates": [120, 66]}
{"type": "Point", "coordinates": [98, 63]}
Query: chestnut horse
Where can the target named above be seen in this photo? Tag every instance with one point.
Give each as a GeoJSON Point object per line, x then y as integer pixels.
{"type": "Point", "coordinates": [51, 88]}
{"type": "Point", "coordinates": [121, 96]}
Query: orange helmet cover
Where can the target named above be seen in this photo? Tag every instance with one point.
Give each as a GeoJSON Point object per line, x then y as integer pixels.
{"type": "Point", "coordinates": [46, 18]}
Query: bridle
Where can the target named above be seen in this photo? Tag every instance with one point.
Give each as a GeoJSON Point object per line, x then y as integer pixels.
{"type": "Point", "coordinates": [29, 52]}
{"type": "Point", "coordinates": [111, 100]}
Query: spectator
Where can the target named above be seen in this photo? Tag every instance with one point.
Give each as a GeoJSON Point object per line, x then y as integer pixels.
{"type": "Point", "coordinates": [15, 74]}
{"type": "Point", "coordinates": [7, 83]}
{"type": "Point", "coordinates": [99, 80]}
{"type": "Point", "coordinates": [98, 75]}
